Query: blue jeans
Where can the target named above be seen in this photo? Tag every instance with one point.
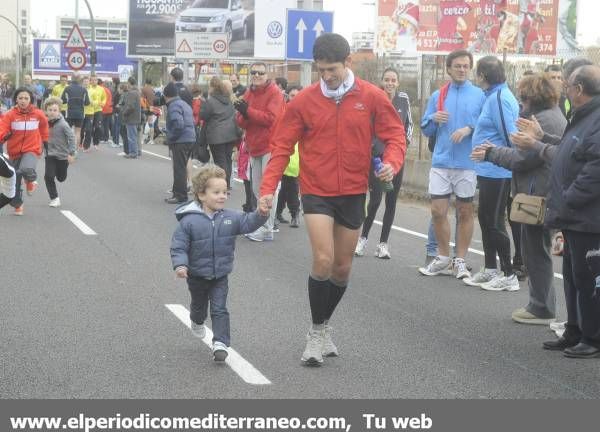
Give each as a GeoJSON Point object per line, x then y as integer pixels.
{"type": "Point", "coordinates": [215, 291]}
{"type": "Point", "coordinates": [431, 247]}
{"type": "Point", "coordinates": [116, 128]}
{"type": "Point", "coordinates": [132, 139]}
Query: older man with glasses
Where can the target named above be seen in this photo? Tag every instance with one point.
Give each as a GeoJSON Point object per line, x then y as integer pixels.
{"type": "Point", "coordinates": [257, 110]}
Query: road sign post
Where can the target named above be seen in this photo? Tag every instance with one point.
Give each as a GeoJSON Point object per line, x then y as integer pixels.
{"type": "Point", "coordinates": [76, 59]}
{"type": "Point", "coordinates": [303, 28]}
{"type": "Point", "coordinates": [201, 45]}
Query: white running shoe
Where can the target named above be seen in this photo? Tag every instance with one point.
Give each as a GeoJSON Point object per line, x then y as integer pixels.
{"type": "Point", "coordinates": [481, 277]}
{"type": "Point", "coordinates": [557, 325]}
{"type": "Point", "coordinates": [328, 349]}
{"type": "Point", "coordinates": [219, 352]}
{"type": "Point", "coordinates": [198, 330]}
{"type": "Point", "coordinates": [360, 247]}
{"type": "Point", "coordinates": [382, 251]}
{"type": "Point", "coordinates": [55, 202]}
{"type": "Point", "coordinates": [313, 353]}
{"type": "Point", "coordinates": [502, 283]}
{"type": "Point", "coordinates": [460, 269]}
{"type": "Point", "coordinates": [437, 267]}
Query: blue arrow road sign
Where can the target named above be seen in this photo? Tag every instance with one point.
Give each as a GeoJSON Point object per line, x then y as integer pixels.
{"type": "Point", "coordinates": [303, 27]}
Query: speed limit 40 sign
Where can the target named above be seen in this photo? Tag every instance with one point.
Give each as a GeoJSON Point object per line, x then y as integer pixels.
{"type": "Point", "coordinates": [76, 59]}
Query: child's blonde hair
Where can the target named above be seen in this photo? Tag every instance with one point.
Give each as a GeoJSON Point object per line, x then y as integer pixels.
{"type": "Point", "coordinates": [207, 172]}
{"type": "Point", "coordinates": [53, 100]}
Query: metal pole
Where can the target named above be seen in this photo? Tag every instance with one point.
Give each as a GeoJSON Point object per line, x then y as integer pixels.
{"type": "Point", "coordinates": [77, 12]}
{"type": "Point", "coordinates": [186, 71]}
{"type": "Point", "coordinates": [93, 46]}
{"type": "Point", "coordinates": [19, 64]}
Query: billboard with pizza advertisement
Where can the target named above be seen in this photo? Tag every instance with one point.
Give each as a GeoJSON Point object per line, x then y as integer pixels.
{"type": "Point", "coordinates": [481, 26]}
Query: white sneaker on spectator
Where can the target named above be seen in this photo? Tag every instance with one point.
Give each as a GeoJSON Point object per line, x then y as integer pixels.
{"type": "Point", "coordinates": [460, 269]}
{"type": "Point", "coordinates": [483, 276]}
{"type": "Point", "coordinates": [382, 251]}
{"type": "Point", "coordinates": [360, 247]}
{"type": "Point", "coordinates": [439, 266]}
{"type": "Point", "coordinates": [502, 283]}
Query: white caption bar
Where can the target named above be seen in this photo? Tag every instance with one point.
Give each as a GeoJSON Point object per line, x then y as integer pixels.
{"type": "Point", "coordinates": [78, 223]}
{"type": "Point", "coordinates": [236, 362]}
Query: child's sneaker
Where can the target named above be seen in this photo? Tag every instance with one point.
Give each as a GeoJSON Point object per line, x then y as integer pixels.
{"type": "Point", "coordinates": [31, 187]}
{"type": "Point", "coordinates": [54, 202]}
{"type": "Point", "coordinates": [219, 351]}
{"type": "Point", "coordinates": [19, 211]}
{"type": "Point", "coordinates": [198, 330]}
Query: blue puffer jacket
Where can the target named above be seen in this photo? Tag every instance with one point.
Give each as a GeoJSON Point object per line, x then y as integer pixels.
{"type": "Point", "coordinates": [489, 127]}
{"type": "Point", "coordinates": [463, 103]}
{"type": "Point", "coordinates": [206, 245]}
{"type": "Point", "coordinates": [180, 122]}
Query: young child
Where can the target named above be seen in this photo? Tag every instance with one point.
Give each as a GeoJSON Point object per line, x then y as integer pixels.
{"type": "Point", "coordinates": [202, 250]}
{"type": "Point", "coordinates": [25, 127]}
{"type": "Point", "coordinates": [60, 151]}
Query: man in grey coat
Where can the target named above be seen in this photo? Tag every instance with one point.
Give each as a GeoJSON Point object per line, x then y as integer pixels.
{"type": "Point", "coordinates": [573, 207]}
{"type": "Point", "coordinates": [131, 116]}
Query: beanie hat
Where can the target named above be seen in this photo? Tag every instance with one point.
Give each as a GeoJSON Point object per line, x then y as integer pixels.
{"type": "Point", "coordinates": [171, 90]}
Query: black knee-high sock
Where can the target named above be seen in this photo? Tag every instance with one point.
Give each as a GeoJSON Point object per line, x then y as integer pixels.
{"type": "Point", "coordinates": [318, 295]}
{"type": "Point", "coordinates": [336, 292]}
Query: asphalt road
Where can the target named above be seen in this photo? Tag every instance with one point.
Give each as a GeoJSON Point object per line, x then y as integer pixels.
{"type": "Point", "coordinates": [87, 316]}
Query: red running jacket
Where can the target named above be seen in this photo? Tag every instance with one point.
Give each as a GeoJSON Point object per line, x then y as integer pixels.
{"type": "Point", "coordinates": [335, 140]}
{"type": "Point", "coordinates": [265, 104]}
{"type": "Point", "coordinates": [29, 130]}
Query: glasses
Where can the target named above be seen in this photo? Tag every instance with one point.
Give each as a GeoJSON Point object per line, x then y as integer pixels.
{"type": "Point", "coordinates": [259, 73]}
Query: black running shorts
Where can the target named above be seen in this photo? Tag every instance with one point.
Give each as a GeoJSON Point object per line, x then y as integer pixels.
{"type": "Point", "coordinates": [346, 210]}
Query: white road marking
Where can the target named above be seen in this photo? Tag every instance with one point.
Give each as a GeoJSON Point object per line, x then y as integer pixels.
{"type": "Point", "coordinates": [424, 236]}
{"type": "Point", "coordinates": [236, 362]}
{"type": "Point", "coordinates": [78, 223]}
{"type": "Point", "coordinates": [156, 155]}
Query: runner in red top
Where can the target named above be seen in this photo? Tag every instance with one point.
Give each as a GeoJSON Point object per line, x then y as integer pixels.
{"type": "Point", "coordinates": [334, 122]}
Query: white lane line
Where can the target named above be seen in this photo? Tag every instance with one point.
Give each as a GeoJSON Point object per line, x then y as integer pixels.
{"type": "Point", "coordinates": [236, 362]}
{"type": "Point", "coordinates": [424, 236]}
{"type": "Point", "coordinates": [78, 222]}
{"type": "Point", "coordinates": [156, 155]}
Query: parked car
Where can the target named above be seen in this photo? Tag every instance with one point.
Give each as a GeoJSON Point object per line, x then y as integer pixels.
{"type": "Point", "coordinates": [220, 16]}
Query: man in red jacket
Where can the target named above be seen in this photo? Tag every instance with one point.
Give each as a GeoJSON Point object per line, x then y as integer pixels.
{"type": "Point", "coordinates": [334, 122]}
{"type": "Point", "coordinates": [262, 103]}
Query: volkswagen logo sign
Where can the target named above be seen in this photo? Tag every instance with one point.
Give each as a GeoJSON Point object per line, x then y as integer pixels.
{"type": "Point", "coordinates": [275, 29]}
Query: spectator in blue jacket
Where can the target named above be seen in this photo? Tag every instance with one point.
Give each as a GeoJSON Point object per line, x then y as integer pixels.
{"type": "Point", "coordinates": [181, 137]}
{"type": "Point", "coordinates": [202, 251]}
{"type": "Point", "coordinates": [450, 119]}
{"type": "Point", "coordinates": [494, 126]}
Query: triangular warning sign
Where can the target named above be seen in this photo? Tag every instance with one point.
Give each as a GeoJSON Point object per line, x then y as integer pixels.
{"type": "Point", "coordinates": [75, 38]}
{"type": "Point", "coordinates": [184, 47]}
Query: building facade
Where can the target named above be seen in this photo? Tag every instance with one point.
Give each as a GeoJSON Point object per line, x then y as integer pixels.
{"type": "Point", "coordinates": [107, 29]}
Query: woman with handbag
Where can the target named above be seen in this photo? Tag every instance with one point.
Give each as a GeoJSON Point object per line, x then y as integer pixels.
{"type": "Point", "coordinates": [496, 121]}
{"type": "Point", "coordinates": [539, 96]}
{"type": "Point", "coordinates": [219, 124]}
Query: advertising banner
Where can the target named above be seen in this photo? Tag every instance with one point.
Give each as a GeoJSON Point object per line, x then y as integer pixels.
{"type": "Point", "coordinates": [50, 58]}
{"type": "Point", "coordinates": [269, 38]}
{"type": "Point", "coordinates": [152, 24]}
{"type": "Point", "coordinates": [481, 26]}
{"type": "Point", "coordinates": [567, 26]}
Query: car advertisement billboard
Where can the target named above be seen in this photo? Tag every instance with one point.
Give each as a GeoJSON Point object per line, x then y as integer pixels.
{"type": "Point", "coordinates": [481, 26]}
{"type": "Point", "coordinates": [50, 59]}
{"type": "Point", "coordinates": [152, 25]}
